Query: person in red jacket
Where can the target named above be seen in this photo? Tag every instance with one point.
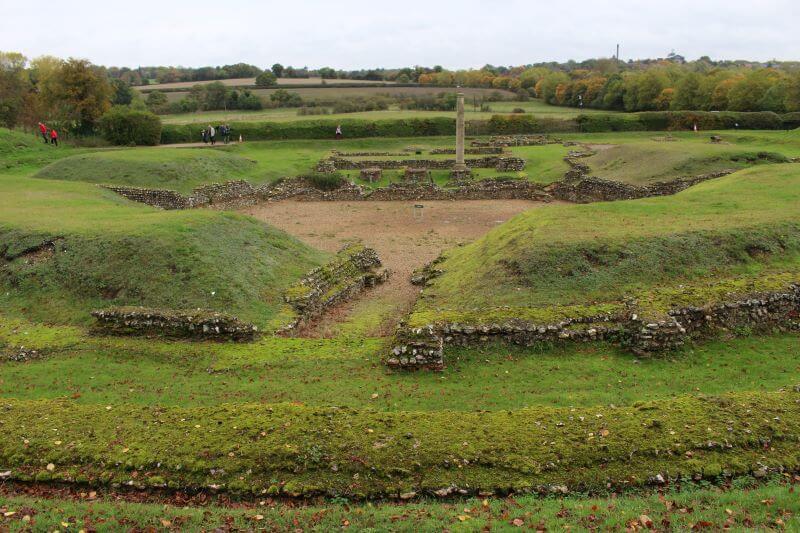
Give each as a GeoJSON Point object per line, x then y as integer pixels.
{"type": "Point", "coordinates": [54, 137]}
{"type": "Point", "coordinates": [43, 131]}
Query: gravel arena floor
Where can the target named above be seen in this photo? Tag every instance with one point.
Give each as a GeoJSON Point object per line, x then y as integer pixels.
{"type": "Point", "coordinates": [405, 237]}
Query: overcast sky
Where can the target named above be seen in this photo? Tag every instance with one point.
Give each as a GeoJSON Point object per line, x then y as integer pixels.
{"type": "Point", "coordinates": [351, 34]}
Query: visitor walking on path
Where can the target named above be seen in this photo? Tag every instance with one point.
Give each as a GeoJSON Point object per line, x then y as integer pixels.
{"type": "Point", "coordinates": [43, 131]}
{"type": "Point", "coordinates": [54, 137]}
{"type": "Point", "coordinates": [339, 131]}
{"type": "Point", "coordinates": [212, 134]}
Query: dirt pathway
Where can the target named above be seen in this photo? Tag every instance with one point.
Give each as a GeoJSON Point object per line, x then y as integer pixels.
{"type": "Point", "coordinates": [405, 237]}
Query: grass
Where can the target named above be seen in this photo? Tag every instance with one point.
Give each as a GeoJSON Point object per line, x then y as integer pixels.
{"type": "Point", "coordinates": [197, 258]}
{"type": "Point", "coordinates": [346, 371]}
{"type": "Point", "coordinates": [165, 168]}
{"type": "Point", "coordinates": [289, 410]}
{"type": "Point", "coordinates": [535, 107]}
{"type": "Point", "coordinates": [751, 506]}
{"type": "Point", "coordinates": [641, 160]}
{"type": "Point", "coordinates": [569, 255]}
{"type": "Point", "coordinates": [298, 451]}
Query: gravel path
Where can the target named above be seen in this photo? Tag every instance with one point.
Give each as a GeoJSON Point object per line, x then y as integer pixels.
{"type": "Point", "coordinates": [404, 236]}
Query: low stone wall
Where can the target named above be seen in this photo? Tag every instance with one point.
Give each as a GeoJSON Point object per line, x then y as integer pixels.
{"type": "Point", "coordinates": [192, 324]}
{"type": "Point", "coordinates": [777, 310]}
{"type": "Point", "coordinates": [500, 163]}
{"type": "Point", "coordinates": [214, 193]}
{"type": "Point", "coordinates": [162, 198]}
{"type": "Point", "coordinates": [422, 347]}
{"type": "Point", "coordinates": [355, 268]}
{"type": "Point", "coordinates": [501, 141]}
{"type": "Point", "coordinates": [585, 190]}
{"type": "Point", "coordinates": [484, 150]}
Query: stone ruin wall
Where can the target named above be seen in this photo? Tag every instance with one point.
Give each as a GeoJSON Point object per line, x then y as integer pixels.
{"type": "Point", "coordinates": [354, 269]}
{"type": "Point", "coordinates": [423, 347]}
{"type": "Point", "coordinates": [500, 163]}
{"type": "Point", "coordinates": [201, 324]}
{"type": "Point", "coordinates": [203, 196]}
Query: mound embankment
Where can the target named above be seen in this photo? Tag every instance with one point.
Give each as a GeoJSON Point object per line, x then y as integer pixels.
{"type": "Point", "coordinates": [175, 169]}
{"type": "Point", "coordinates": [68, 248]}
{"type": "Point", "coordinates": [725, 241]}
{"type": "Point", "coordinates": [302, 451]}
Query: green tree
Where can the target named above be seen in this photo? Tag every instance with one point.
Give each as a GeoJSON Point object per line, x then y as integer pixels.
{"type": "Point", "coordinates": [277, 69]}
{"type": "Point", "coordinates": [83, 95]}
{"type": "Point", "coordinates": [122, 92]}
{"type": "Point", "coordinates": [216, 95]}
{"type": "Point", "coordinates": [792, 101]}
{"type": "Point", "coordinates": [156, 101]}
{"type": "Point", "coordinates": [327, 73]}
{"type": "Point", "coordinates": [14, 86]}
{"type": "Point", "coordinates": [124, 126]}
{"type": "Point", "coordinates": [266, 79]}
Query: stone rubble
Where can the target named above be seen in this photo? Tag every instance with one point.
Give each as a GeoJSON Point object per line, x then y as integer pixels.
{"type": "Point", "coordinates": [193, 324]}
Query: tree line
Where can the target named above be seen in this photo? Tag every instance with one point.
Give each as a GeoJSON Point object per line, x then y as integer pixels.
{"type": "Point", "coordinates": [649, 85]}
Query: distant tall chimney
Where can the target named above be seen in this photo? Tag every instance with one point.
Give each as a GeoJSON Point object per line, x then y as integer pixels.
{"type": "Point", "coordinates": [617, 56]}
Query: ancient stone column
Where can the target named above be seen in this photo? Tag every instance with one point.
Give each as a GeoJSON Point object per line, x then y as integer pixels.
{"type": "Point", "coordinates": [460, 166]}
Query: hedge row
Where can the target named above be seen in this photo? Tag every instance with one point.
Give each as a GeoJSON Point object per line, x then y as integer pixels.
{"type": "Point", "coordinates": [318, 129]}
{"type": "Point", "coordinates": [303, 451]}
{"type": "Point", "coordinates": [497, 125]}
{"type": "Point", "coordinates": [680, 120]}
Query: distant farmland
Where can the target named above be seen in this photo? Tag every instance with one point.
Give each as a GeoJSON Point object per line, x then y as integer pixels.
{"type": "Point", "coordinates": [249, 82]}
{"type": "Point", "coordinates": [332, 92]}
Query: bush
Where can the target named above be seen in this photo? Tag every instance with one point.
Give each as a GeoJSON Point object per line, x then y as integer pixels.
{"type": "Point", "coordinates": [518, 110]}
{"type": "Point", "coordinates": [305, 110]}
{"type": "Point", "coordinates": [324, 181]}
{"type": "Point", "coordinates": [266, 79]}
{"type": "Point", "coordinates": [124, 126]}
{"type": "Point", "coordinates": [322, 129]}
{"type": "Point", "coordinates": [791, 120]}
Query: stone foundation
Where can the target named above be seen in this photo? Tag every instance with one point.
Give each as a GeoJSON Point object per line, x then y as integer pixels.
{"type": "Point", "coordinates": [503, 141]}
{"type": "Point", "coordinates": [371, 175]}
{"type": "Point", "coordinates": [497, 162]}
{"type": "Point", "coordinates": [355, 268]}
{"type": "Point", "coordinates": [586, 190]}
{"type": "Point", "coordinates": [192, 324]}
{"type": "Point", "coordinates": [202, 196]}
{"type": "Point", "coordinates": [417, 176]}
{"type": "Point", "coordinates": [422, 347]}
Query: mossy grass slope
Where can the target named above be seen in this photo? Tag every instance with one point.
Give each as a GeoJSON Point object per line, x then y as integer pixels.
{"type": "Point", "coordinates": [741, 227]}
{"type": "Point", "coordinates": [302, 451]}
{"type": "Point", "coordinates": [107, 251]}
{"type": "Point", "coordinates": [161, 168]}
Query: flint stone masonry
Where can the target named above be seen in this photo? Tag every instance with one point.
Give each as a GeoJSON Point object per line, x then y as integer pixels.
{"type": "Point", "coordinates": [423, 347]}
{"type": "Point", "coordinates": [200, 196]}
{"type": "Point", "coordinates": [586, 190]}
{"type": "Point", "coordinates": [200, 324]}
{"type": "Point", "coordinates": [417, 175]}
{"type": "Point", "coordinates": [502, 141]}
{"type": "Point", "coordinates": [371, 174]}
{"type": "Point", "coordinates": [500, 163]}
{"type": "Point", "coordinates": [355, 268]}
{"type": "Point", "coordinates": [486, 150]}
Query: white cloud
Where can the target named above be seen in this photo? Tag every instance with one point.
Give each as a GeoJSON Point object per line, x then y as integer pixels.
{"type": "Point", "coordinates": [362, 33]}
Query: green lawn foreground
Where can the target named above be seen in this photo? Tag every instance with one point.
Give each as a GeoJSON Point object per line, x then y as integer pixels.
{"type": "Point", "coordinates": [750, 506]}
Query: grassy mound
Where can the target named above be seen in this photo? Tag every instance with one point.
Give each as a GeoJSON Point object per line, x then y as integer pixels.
{"type": "Point", "coordinates": [69, 248]}
{"type": "Point", "coordinates": [302, 451]}
{"type": "Point", "coordinates": [741, 227]}
{"type": "Point", "coordinates": [22, 151]}
{"type": "Point", "coordinates": [161, 168]}
{"type": "Point", "coordinates": [647, 161]}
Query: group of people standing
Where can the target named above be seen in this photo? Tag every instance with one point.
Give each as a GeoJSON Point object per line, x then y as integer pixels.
{"type": "Point", "coordinates": [210, 134]}
{"type": "Point", "coordinates": [50, 135]}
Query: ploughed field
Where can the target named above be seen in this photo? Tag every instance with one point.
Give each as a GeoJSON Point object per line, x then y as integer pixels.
{"type": "Point", "coordinates": [320, 417]}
